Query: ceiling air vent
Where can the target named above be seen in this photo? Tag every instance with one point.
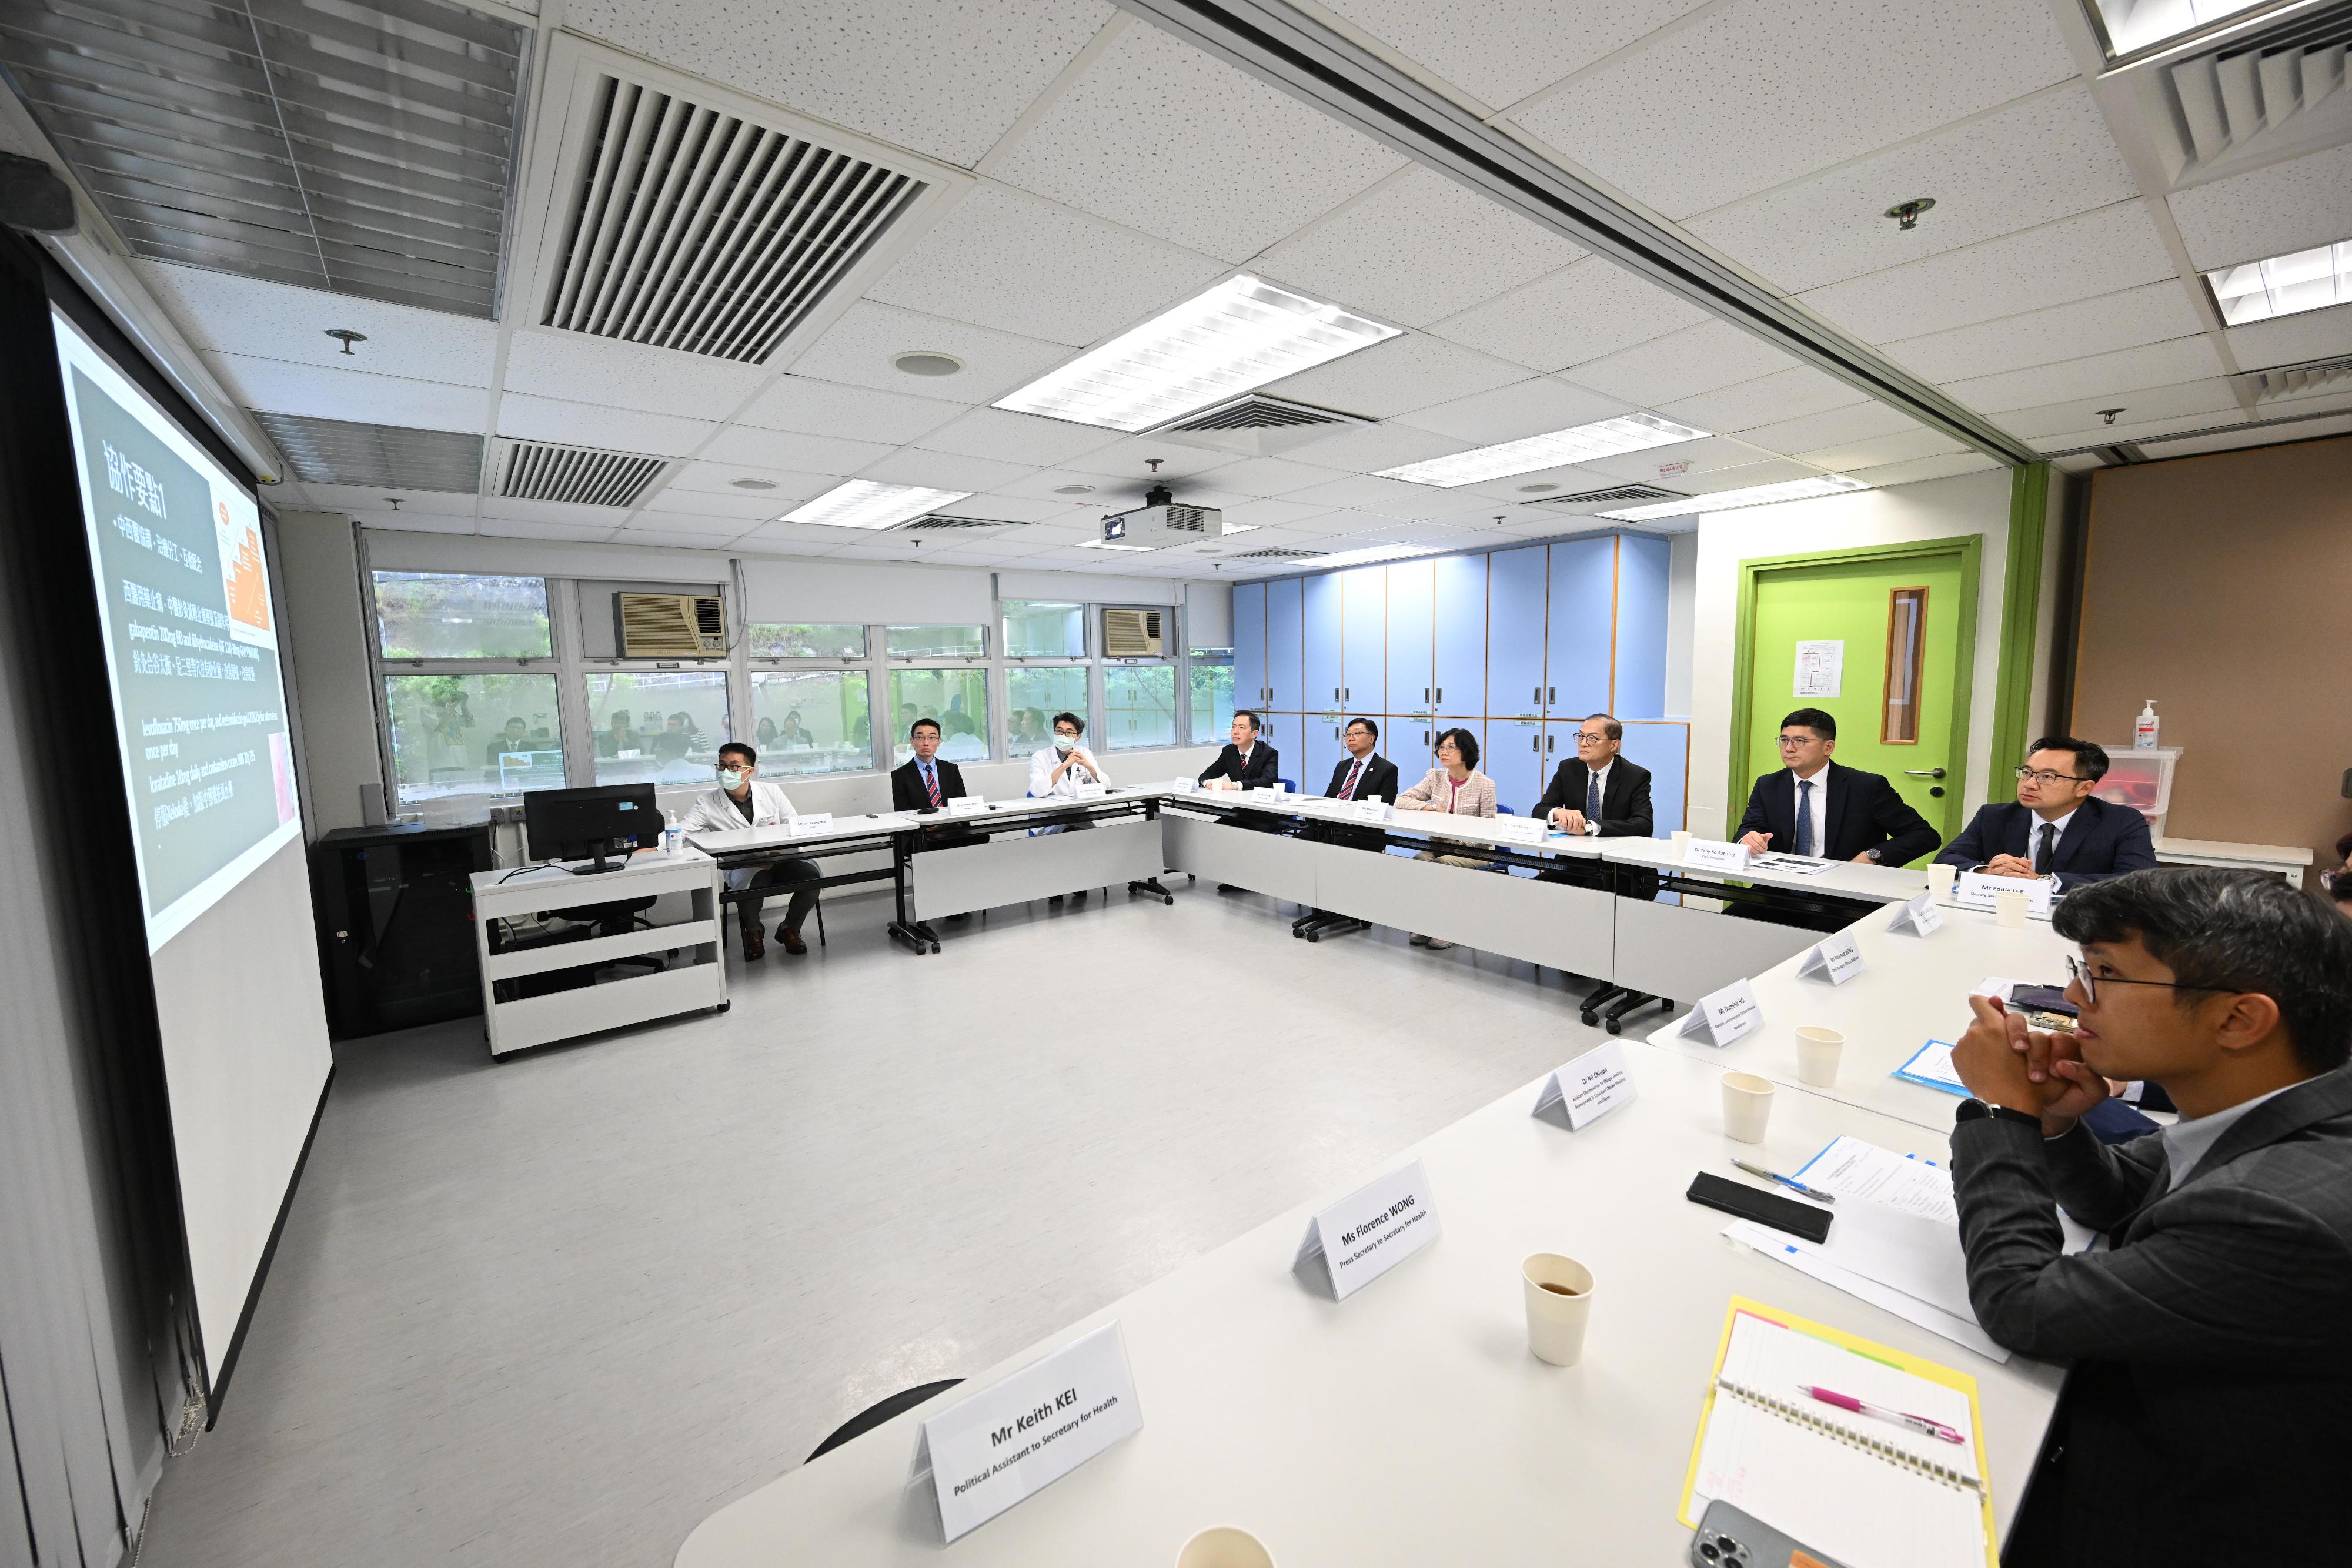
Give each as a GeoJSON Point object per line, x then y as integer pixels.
{"type": "Point", "coordinates": [360, 148]}
{"type": "Point", "coordinates": [2295, 381]}
{"type": "Point", "coordinates": [1275, 552]}
{"type": "Point", "coordinates": [379, 456]}
{"type": "Point", "coordinates": [1256, 424]}
{"type": "Point", "coordinates": [697, 230]}
{"type": "Point", "coordinates": [925, 524]}
{"type": "Point", "coordinates": [536, 471]}
{"type": "Point", "coordinates": [1616, 495]}
{"type": "Point", "coordinates": [2243, 93]}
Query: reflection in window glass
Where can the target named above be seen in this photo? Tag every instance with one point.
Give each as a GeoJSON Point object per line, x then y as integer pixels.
{"type": "Point", "coordinates": [1906, 646]}
{"type": "Point", "coordinates": [957, 698]}
{"type": "Point", "coordinates": [1213, 694]}
{"type": "Point", "coordinates": [1035, 696]}
{"type": "Point", "coordinates": [810, 721]}
{"type": "Point", "coordinates": [936, 642]}
{"type": "Point", "coordinates": [1138, 705]}
{"type": "Point", "coordinates": [473, 734]}
{"type": "Point", "coordinates": [771, 639]}
{"type": "Point", "coordinates": [442, 615]}
{"type": "Point", "coordinates": [657, 725]}
{"type": "Point", "coordinates": [1034, 629]}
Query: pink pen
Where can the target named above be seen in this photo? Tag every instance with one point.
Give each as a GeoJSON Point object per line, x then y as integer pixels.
{"type": "Point", "coordinates": [1922, 1424]}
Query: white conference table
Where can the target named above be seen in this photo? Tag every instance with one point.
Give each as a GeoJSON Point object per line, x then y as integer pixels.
{"type": "Point", "coordinates": [1011, 864]}
{"type": "Point", "coordinates": [1410, 1423]}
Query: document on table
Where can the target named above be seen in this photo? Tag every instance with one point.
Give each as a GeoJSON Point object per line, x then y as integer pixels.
{"type": "Point", "coordinates": [1849, 1167]}
{"type": "Point", "coordinates": [1930, 1067]}
{"type": "Point", "coordinates": [1795, 866]}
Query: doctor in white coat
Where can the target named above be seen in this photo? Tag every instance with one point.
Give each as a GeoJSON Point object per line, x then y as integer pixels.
{"type": "Point", "coordinates": [740, 801]}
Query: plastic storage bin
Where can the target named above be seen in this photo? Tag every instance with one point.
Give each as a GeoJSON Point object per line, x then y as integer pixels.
{"type": "Point", "coordinates": [2142, 780]}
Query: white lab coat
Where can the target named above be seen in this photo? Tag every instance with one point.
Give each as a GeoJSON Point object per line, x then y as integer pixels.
{"type": "Point", "coordinates": [714, 813]}
{"type": "Point", "coordinates": [1043, 784]}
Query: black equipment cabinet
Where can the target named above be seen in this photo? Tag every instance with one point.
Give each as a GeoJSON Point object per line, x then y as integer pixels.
{"type": "Point", "coordinates": [395, 913]}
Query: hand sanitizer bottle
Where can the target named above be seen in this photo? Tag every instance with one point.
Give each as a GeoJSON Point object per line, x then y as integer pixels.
{"type": "Point", "coordinates": [673, 836]}
{"type": "Point", "coordinates": [2144, 731]}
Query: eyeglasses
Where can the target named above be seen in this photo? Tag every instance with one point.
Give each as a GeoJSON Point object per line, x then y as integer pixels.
{"type": "Point", "coordinates": [1787, 741]}
{"type": "Point", "coordinates": [1590, 737]}
{"type": "Point", "coordinates": [2023, 773]}
{"type": "Point", "coordinates": [2082, 974]}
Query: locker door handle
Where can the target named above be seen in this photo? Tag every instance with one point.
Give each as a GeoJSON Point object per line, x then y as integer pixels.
{"type": "Point", "coordinates": [1441, 693]}
{"type": "Point", "coordinates": [1424, 694]}
{"type": "Point", "coordinates": [1551, 744]}
{"type": "Point", "coordinates": [1348, 693]}
{"type": "Point", "coordinates": [1536, 695]}
{"type": "Point", "coordinates": [1535, 743]}
{"type": "Point", "coordinates": [1334, 694]}
{"type": "Point", "coordinates": [1553, 694]}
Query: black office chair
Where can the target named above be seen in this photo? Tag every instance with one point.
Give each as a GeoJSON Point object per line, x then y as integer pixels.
{"type": "Point", "coordinates": [874, 1414]}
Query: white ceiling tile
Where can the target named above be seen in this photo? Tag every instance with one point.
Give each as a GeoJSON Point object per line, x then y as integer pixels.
{"type": "Point", "coordinates": [279, 321]}
{"type": "Point", "coordinates": [1681, 364]}
{"type": "Point", "coordinates": [1921, 468]}
{"type": "Point", "coordinates": [585, 369]}
{"type": "Point", "coordinates": [2075, 423]}
{"type": "Point", "coordinates": [1270, 475]}
{"type": "Point", "coordinates": [2127, 369]}
{"type": "Point", "coordinates": [1161, 136]}
{"type": "Point", "coordinates": [1576, 314]}
{"type": "Point", "coordinates": [2102, 324]}
{"type": "Point", "coordinates": [1858, 422]}
{"type": "Point", "coordinates": [881, 66]}
{"type": "Point", "coordinates": [1011, 508]}
{"type": "Point", "coordinates": [1702, 457]}
{"type": "Point", "coordinates": [1405, 373]}
{"type": "Point", "coordinates": [1501, 51]}
{"type": "Point", "coordinates": [281, 386]}
{"type": "Point", "coordinates": [1381, 497]}
{"type": "Point", "coordinates": [744, 505]}
{"type": "Point", "coordinates": [1533, 407]}
{"type": "Point", "coordinates": [1901, 447]}
{"type": "Point", "coordinates": [1764, 91]}
{"type": "Point", "coordinates": [2286, 207]}
{"type": "Point", "coordinates": [589, 424]}
{"type": "Point", "coordinates": [2096, 253]}
{"type": "Point", "coordinates": [944, 470]}
{"type": "Point", "coordinates": [564, 513]}
{"type": "Point", "coordinates": [1017, 437]}
{"type": "Point", "coordinates": [523, 529]}
{"type": "Point", "coordinates": [1124, 468]}
{"type": "Point", "coordinates": [1398, 252]}
{"type": "Point", "coordinates": [1784, 395]}
{"type": "Point", "coordinates": [2291, 339]}
{"type": "Point", "coordinates": [859, 348]}
{"type": "Point", "coordinates": [793, 454]}
{"type": "Point", "coordinates": [715, 478]}
{"type": "Point", "coordinates": [383, 517]}
{"type": "Point", "coordinates": [803, 537]}
{"type": "Point", "coordinates": [1272, 514]}
{"type": "Point", "coordinates": [2046, 157]}
{"type": "Point", "coordinates": [1009, 261]}
{"type": "Point", "coordinates": [1771, 471]}
{"type": "Point", "coordinates": [1365, 448]}
{"type": "Point", "coordinates": [829, 408]}
{"type": "Point", "coordinates": [2231, 441]}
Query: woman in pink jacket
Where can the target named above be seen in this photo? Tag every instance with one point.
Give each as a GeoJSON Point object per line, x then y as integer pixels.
{"type": "Point", "coordinates": [1455, 787]}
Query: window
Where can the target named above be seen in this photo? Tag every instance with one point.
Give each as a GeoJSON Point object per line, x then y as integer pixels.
{"type": "Point", "coordinates": [656, 725]}
{"type": "Point", "coordinates": [482, 733]}
{"type": "Point", "coordinates": [772, 640]}
{"type": "Point", "coordinates": [1037, 629]}
{"type": "Point", "coordinates": [1033, 698]}
{"type": "Point", "coordinates": [1138, 705]}
{"type": "Point", "coordinates": [1213, 694]}
{"type": "Point", "coordinates": [812, 721]}
{"type": "Point", "coordinates": [957, 698]}
{"type": "Point", "coordinates": [1906, 643]}
{"type": "Point", "coordinates": [440, 615]}
{"type": "Point", "coordinates": [937, 642]}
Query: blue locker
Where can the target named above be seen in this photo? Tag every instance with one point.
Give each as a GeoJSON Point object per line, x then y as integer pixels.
{"type": "Point", "coordinates": [1406, 739]}
{"type": "Point", "coordinates": [1284, 647]}
{"type": "Point", "coordinates": [1410, 681]}
{"type": "Point", "coordinates": [1459, 672]}
{"type": "Point", "coordinates": [1515, 761]}
{"type": "Point", "coordinates": [1312, 754]}
{"type": "Point", "coordinates": [1642, 566]}
{"type": "Point", "coordinates": [1515, 633]}
{"type": "Point", "coordinates": [1664, 750]}
{"type": "Point", "coordinates": [1581, 627]}
{"type": "Point", "coordinates": [1322, 655]}
{"type": "Point", "coordinates": [1250, 689]}
{"type": "Point", "coordinates": [1364, 638]}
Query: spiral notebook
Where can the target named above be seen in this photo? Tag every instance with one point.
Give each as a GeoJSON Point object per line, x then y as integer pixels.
{"type": "Point", "coordinates": [1869, 1492]}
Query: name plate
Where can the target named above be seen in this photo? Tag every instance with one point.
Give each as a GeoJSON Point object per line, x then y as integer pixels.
{"type": "Point", "coordinates": [1837, 960]}
{"type": "Point", "coordinates": [1974, 890]}
{"type": "Point", "coordinates": [1729, 1014]}
{"type": "Point", "coordinates": [1920, 917]}
{"type": "Point", "coordinates": [1371, 1230]}
{"type": "Point", "coordinates": [811, 824]}
{"type": "Point", "coordinates": [1368, 811]}
{"type": "Point", "coordinates": [1018, 1436]}
{"type": "Point", "coordinates": [1093, 791]}
{"type": "Point", "coordinates": [1185, 785]}
{"type": "Point", "coordinates": [1713, 854]}
{"type": "Point", "coordinates": [1588, 1088]}
{"type": "Point", "coordinates": [1530, 829]}
{"type": "Point", "coordinates": [966, 805]}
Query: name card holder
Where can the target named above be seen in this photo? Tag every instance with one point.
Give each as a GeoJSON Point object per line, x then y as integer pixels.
{"type": "Point", "coordinates": [815, 822]}
{"type": "Point", "coordinates": [1526, 829]}
{"type": "Point", "coordinates": [1728, 1015]}
{"type": "Point", "coordinates": [1369, 1232]}
{"type": "Point", "coordinates": [1974, 890]}
{"type": "Point", "coordinates": [1837, 959]}
{"type": "Point", "coordinates": [1020, 1435]}
{"type": "Point", "coordinates": [1588, 1088]}
{"type": "Point", "coordinates": [967, 805]}
{"type": "Point", "coordinates": [1920, 917]}
{"type": "Point", "coordinates": [1368, 811]}
{"type": "Point", "coordinates": [1714, 854]}
{"type": "Point", "coordinates": [1185, 785]}
{"type": "Point", "coordinates": [1093, 791]}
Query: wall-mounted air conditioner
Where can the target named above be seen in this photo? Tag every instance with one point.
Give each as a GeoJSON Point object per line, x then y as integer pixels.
{"type": "Point", "coordinates": [1134, 634]}
{"type": "Point", "coordinates": [671, 625]}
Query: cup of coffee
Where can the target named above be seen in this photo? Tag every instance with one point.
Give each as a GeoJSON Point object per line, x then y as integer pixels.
{"type": "Point", "coordinates": [1746, 1106]}
{"type": "Point", "coordinates": [1682, 844]}
{"type": "Point", "coordinates": [2008, 909]}
{"type": "Point", "coordinates": [1223, 1546]}
{"type": "Point", "coordinates": [1940, 878]}
{"type": "Point", "coordinates": [1559, 1292]}
{"type": "Point", "coordinates": [1817, 1050]}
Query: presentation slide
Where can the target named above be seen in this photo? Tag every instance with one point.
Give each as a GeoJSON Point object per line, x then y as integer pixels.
{"type": "Point", "coordinates": [191, 643]}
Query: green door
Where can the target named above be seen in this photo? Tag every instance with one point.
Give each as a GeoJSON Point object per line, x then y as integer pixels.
{"type": "Point", "coordinates": [1884, 645]}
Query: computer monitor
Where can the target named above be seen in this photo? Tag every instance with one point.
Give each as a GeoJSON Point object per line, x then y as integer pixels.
{"type": "Point", "coordinates": [581, 824]}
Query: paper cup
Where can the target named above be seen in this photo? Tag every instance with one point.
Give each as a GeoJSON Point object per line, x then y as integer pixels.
{"type": "Point", "coordinates": [1556, 1320]}
{"type": "Point", "coordinates": [2009, 909]}
{"type": "Point", "coordinates": [1224, 1547]}
{"type": "Point", "coordinates": [1746, 1106]}
{"type": "Point", "coordinates": [1818, 1051]}
{"type": "Point", "coordinates": [1940, 878]}
{"type": "Point", "coordinates": [1681, 842]}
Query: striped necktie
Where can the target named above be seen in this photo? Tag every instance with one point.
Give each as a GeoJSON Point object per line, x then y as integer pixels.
{"type": "Point", "coordinates": [931, 782]}
{"type": "Point", "coordinates": [1348, 790]}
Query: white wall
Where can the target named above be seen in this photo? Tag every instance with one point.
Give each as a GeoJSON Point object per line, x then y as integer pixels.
{"type": "Point", "coordinates": [1682, 610]}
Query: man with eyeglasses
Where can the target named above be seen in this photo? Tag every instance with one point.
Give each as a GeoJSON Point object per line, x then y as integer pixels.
{"type": "Point", "coordinates": [2056, 828]}
{"type": "Point", "coordinates": [738, 799]}
{"type": "Point", "coordinates": [1598, 794]}
{"type": "Point", "coordinates": [1818, 808]}
{"type": "Point", "coordinates": [2202, 1419]}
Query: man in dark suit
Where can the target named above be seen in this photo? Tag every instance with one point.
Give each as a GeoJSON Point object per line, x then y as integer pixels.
{"type": "Point", "coordinates": [925, 782]}
{"type": "Point", "coordinates": [2202, 1419]}
{"type": "Point", "coordinates": [1598, 794]}
{"type": "Point", "coordinates": [1813, 807]}
{"type": "Point", "coordinates": [1363, 774]}
{"type": "Point", "coordinates": [2054, 827]}
{"type": "Point", "coordinates": [1244, 764]}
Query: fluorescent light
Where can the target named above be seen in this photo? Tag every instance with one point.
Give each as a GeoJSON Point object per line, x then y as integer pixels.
{"type": "Point", "coordinates": [869, 504]}
{"type": "Point", "coordinates": [2283, 285]}
{"type": "Point", "coordinates": [1112, 544]}
{"type": "Point", "coordinates": [1728, 500]}
{"type": "Point", "coordinates": [1578, 444]}
{"type": "Point", "coordinates": [1371, 553]}
{"type": "Point", "coordinates": [1241, 334]}
{"type": "Point", "coordinates": [2132, 25]}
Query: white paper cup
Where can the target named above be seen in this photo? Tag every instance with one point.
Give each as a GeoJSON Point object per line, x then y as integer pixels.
{"type": "Point", "coordinates": [1223, 1546]}
{"type": "Point", "coordinates": [1746, 1106]}
{"type": "Point", "coordinates": [1681, 842]}
{"type": "Point", "coordinates": [2008, 909]}
{"type": "Point", "coordinates": [1940, 878]}
{"type": "Point", "coordinates": [1817, 1050]}
{"type": "Point", "coordinates": [1556, 1320]}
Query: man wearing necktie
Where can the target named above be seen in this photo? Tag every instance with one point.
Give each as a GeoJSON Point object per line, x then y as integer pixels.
{"type": "Point", "coordinates": [1363, 774]}
{"type": "Point", "coordinates": [925, 782]}
{"type": "Point", "coordinates": [1821, 809]}
{"type": "Point", "coordinates": [1598, 794]}
{"type": "Point", "coordinates": [2056, 828]}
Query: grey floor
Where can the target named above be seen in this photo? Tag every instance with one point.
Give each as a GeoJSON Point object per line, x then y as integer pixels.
{"type": "Point", "coordinates": [557, 1310]}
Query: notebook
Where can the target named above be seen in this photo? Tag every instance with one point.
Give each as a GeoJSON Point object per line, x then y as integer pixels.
{"type": "Point", "coordinates": [1871, 1493]}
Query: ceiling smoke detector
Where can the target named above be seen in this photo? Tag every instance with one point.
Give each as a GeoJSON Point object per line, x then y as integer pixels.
{"type": "Point", "coordinates": [928, 363]}
{"type": "Point", "coordinates": [1906, 214]}
{"type": "Point", "coordinates": [752, 484]}
{"type": "Point", "coordinates": [1074, 489]}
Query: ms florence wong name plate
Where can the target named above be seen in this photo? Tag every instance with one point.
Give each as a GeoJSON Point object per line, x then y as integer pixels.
{"type": "Point", "coordinates": [1371, 1230]}
{"type": "Point", "coordinates": [1022, 1434]}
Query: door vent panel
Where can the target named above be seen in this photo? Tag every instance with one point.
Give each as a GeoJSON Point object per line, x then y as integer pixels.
{"type": "Point", "coordinates": [381, 456]}
{"type": "Point", "coordinates": [538, 471]}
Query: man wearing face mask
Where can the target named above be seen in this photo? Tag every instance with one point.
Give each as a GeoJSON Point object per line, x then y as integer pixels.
{"type": "Point", "coordinates": [741, 802]}
{"type": "Point", "coordinates": [1058, 770]}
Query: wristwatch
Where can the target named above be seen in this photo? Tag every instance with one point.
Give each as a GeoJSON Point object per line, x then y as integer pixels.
{"type": "Point", "coordinates": [1973, 1110]}
{"type": "Point", "coordinates": [1873, 855]}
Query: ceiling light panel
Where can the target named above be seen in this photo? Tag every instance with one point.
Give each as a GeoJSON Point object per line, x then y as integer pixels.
{"type": "Point", "coordinates": [1240, 335]}
{"type": "Point", "coordinates": [1372, 553]}
{"type": "Point", "coordinates": [2283, 285]}
{"type": "Point", "coordinates": [1603, 438]}
{"type": "Point", "coordinates": [2131, 25]}
{"type": "Point", "coordinates": [869, 504]}
{"type": "Point", "coordinates": [1730, 500]}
